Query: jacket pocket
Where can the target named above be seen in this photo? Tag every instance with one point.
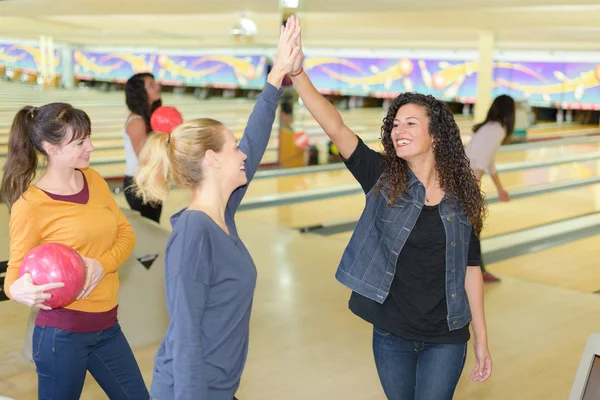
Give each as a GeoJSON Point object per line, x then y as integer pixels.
{"type": "Point", "coordinates": [465, 229]}
{"type": "Point", "coordinates": [387, 213]}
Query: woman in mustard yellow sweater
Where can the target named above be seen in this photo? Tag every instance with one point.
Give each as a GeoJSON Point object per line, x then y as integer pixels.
{"type": "Point", "coordinates": [70, 204]}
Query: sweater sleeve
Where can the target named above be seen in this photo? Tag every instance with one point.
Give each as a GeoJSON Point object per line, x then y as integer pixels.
{"type": "Point", "coordinates": [189, 302]}
{"type": "Point", "coordinates": [187, 299]}
{"type": "Point", "coordinates": [255, 139]}
{"type": "Point", "coordinates": [24, 236]}
{"type": "Point", "coordinates": [125, 240]}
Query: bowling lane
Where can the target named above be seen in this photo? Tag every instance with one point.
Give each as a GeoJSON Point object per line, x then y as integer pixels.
{"type": "Point", "coordinates": [503, 217]}
{"type": "Point", "coordinates": [105, 137]}
{"type": "Point", "coordinates": [572, 266]}
{"type": "Point", "coordinates": [349, 207]}
{"type": "Point", "coordinates": [532, 211]}
{"type": "Point", "coordinates": [100, 155]}
{"type": "Point", "coordinates": [310, 181]}
{"type": "Point", "coordinates": [539, 176]}
{"type": "Point", "coordinates": [100, 133]}
{"type": "Point", "coordinates": [547, 153]}
{"type": "Point", "coordinates": [542, 209]}
{"type": "Point", "coordinates": [510, 180]}
{"type": "Point", "coordinates": [103, 112]}
{"type": "Point", "coordinates": [532, 154]}
{"type": "Point", "coordinates": [110, 162]}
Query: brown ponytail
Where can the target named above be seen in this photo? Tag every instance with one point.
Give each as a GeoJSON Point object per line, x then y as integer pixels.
{"type": "Point", "coordinates": [22, 161]}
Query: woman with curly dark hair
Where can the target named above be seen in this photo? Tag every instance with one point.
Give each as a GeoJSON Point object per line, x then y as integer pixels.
{"type": "Point", "coordinates": [142, 95]}
{"type": "Point", "coordinates": [413, 259]}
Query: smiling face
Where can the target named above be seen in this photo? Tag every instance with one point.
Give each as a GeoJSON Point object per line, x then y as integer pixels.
{"type": "Point", "coordinates": [410, 132]}
{"type": "Point", "coordinates": [71, 154]}
{"type": "Point", "coordinates": [232, 161]}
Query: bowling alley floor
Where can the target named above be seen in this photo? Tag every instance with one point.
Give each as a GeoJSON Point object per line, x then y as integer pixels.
{"type": "Point", "coordinates": [305, 344]}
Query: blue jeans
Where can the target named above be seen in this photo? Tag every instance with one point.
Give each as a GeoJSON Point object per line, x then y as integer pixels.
{"type": "Point", "coordinates": [62, 359]}
{"type": "Point", "coordinates": [410, 370]}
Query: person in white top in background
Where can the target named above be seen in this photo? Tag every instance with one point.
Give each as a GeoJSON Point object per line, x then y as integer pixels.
{"type": "Point", "coordinates": [487, 138]}
{"type": "Point", "coordinates": [142, 95]}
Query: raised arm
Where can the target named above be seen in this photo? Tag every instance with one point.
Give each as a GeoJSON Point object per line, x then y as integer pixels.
{"type": "Point", "coordinates": [256, 136]}
{"type": "Point", "coordinates": [258, 131]}
{"type": "Point", "coordinates": [319, 107]}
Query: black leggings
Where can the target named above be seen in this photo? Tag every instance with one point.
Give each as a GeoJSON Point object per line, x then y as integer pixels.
{"type": "Point", "coordinates": [136, 203]}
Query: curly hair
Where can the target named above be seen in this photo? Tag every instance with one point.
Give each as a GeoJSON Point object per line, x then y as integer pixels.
{"type": "Point", "coordinates": [136, 98]}
{"type": "Point", "coordinates": [455, 175]}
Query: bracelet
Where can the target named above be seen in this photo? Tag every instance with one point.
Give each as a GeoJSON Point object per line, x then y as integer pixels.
{"type": "Point", "coordinates": [297, 73]}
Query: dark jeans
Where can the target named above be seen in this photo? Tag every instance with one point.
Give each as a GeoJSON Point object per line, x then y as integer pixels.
{"type": "Point", "coordinates": [137, 204]}
{"type": "Point", "coordinates": [415, 370]}
{"type": "Point", "coordinates": [62, 359]}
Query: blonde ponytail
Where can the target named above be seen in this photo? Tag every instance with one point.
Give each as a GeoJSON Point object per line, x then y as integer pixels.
{"type": "Point", "coordinates": [179, 160]}
{"type": "Point", "coordinates": [154, 169]}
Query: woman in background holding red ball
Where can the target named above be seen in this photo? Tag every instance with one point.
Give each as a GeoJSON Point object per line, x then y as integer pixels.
{"type": "Point", "coordinates": [142, 95]}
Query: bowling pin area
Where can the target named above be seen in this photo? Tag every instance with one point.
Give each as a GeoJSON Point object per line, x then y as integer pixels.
{"type": "Point", "coordinates": [304, 342]}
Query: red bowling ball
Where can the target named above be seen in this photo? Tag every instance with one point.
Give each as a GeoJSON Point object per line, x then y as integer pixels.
{"type": "Point", "coordinates": [165, 119]}
{"type": "Point", "coordinates": [55, 262]}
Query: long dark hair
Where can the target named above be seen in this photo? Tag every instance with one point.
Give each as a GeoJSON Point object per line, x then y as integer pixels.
{"type": "Point", "coordinates": [502, 110]}
{"type": "Point", "coordinates": [456, 177]}
{"type": "Point", "coordinates": [32, 127]}
{"type": "Point", "coordinates": [137, 98]}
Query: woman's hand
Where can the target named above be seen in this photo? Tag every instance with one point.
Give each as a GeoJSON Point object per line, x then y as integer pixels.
{"type": "Point", "coordinates": [93, 276]}
{"type": "Point", "coordinates": [287, 49]}
{"type": "Point", "coordinates": [483, 363]}
{"type": "Point", "coordinates": [297, 67]}
{"type": "Point", "coordinates": [25, 292]}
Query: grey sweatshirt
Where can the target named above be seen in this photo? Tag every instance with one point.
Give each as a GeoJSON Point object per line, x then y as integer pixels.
{"type": "Point", "coordinates": [210, 279]}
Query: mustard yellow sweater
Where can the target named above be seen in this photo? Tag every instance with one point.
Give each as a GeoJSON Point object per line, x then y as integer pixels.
{"type": "Point", "coordinates": [97, 230]}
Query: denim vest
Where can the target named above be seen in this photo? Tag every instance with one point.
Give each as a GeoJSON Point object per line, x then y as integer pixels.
{"type": "Point", "coordinates": [368, 264]}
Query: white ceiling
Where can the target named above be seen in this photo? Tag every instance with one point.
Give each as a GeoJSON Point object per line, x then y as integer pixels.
{"type": "Point", "coordinates": [541, 24]}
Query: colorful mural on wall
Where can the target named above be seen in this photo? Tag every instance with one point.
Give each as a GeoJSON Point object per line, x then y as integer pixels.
{"type": "Point", "coordinates": [387, 77]}
{"type": "Point", "coordinates": [112, 67]}
{"type": "Point", "coordinates": [247, 72]}
{"type": "Point", "coordinates": [554, 84]}
{"type": "Point", "coordinates": [566, 85]}
{"type": "Point", "coordinates": [570, 85]}
{"type": "Point", "coordinates": [26, 57]}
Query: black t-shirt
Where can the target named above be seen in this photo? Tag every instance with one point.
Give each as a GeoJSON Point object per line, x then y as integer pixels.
{"type": "Point", "coordinates": [416, 307]}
